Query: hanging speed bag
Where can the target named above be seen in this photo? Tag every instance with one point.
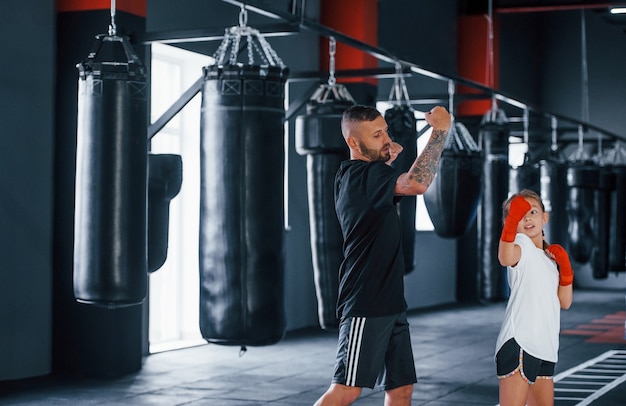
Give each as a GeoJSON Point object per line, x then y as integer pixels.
{"type": "Point", "coordinates": [318, 136]}
{"type": "Point", "coordinates": [554, 194]}
{"type": "Point", "coordinates": [110, 242]}
{"type": "Point", "coordinates": [582, 179]}
{"type": "Point", "coordinates": [495, 139]}
{"type": "Point", "coordinates": [403, 130]}
{"type": "Point", "coordinates": [617, 241]}
{"type": "Point", "coordinates": [241, 205]}
{"type": "Point", "coordinates": [165, 177]}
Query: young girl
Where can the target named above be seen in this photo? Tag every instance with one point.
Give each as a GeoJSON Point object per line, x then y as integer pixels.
{"type": "Point", "coordinates": [540, 277]}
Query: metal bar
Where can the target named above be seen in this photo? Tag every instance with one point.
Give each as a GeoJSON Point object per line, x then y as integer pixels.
{"type": "Point", "coordinates": [175, 108]}
{"type": "Point", "coordinates": [561, 7]}
{"type": "Point", "coordinates": [211, 34]}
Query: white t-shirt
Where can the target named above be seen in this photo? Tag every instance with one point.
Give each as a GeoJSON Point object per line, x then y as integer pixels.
{"type": "Point", "coordinates": [533, 312]}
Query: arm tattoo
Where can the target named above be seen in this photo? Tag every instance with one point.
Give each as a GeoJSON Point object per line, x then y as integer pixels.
{"type": "Point", "coordinates": [424, 168]}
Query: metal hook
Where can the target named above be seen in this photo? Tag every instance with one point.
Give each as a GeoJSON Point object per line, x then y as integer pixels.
{"type": "Point", "coordinates": [332, 49]}
{"type": "Point", "coordinates": [243, 16]}
{"type": "Point", "coordinates": [526, 126]}
{"type": "Point", "coordinates": [112, 26]}
{"type": "Point", "coordinates": [554, 125]}
{"type": "Point", "coordinates": [451, 89]}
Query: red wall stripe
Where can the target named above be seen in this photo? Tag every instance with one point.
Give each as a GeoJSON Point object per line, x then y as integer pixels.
{"type": "Point", "coordinates": [473, 60]}
{"type": "Point", "coordinates": [136, 7]}
{"type": "Point", "coordinates": [357, 19]}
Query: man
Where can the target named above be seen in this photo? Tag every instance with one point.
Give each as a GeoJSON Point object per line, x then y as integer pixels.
{"type": "Point", "coordinates": [374, 340]}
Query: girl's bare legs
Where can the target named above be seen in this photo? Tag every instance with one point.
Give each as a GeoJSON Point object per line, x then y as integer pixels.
{"type": "Point", "coordinates": [541, 393]}
{"type": "Point", "coordinates": [513, 390]}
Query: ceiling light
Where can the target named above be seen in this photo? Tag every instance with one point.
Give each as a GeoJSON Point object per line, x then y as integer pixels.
{"type": "Point", "coordinates": [618, 10]}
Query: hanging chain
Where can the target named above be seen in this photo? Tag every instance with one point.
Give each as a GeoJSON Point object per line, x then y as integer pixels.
{"type": "Point", "coordinates": [112, 26]}
{"type": "Point", "coordinates": [554, 124]}
{"type": "Point", "coordinates": [255, 44]}
{"type": "Point", "coordinates": [583, 68]}
{"type": "Point", "coordinates": [526, 126]}
{"type": "Point", "coordinates": [451, 89]}
{"type": "Point", "coordinates": [243, 16]}
{"type": "Point", "coordinates": [399, 89]}
{"type": "Point", "coordinates": [332, 49]}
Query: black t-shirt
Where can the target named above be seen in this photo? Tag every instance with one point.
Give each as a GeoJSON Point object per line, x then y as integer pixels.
{"type": "Point", "coordinates": [371, 274]}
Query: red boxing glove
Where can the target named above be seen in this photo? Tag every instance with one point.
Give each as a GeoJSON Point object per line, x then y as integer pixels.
{"type": "Point", "coordinates": [517, 210]}
{"type": "Point", "coordinates": [566, 273]}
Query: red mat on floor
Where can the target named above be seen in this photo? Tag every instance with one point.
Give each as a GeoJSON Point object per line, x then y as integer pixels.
{"type": "Point", "coordinates": [609, 329]}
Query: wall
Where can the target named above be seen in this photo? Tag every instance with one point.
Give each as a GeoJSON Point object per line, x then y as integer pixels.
{"type": "Point", "coordinates": [26, 162]}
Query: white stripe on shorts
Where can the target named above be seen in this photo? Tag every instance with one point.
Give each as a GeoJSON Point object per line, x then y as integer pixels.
{"type": "Point", "coordinates": [354, 348]}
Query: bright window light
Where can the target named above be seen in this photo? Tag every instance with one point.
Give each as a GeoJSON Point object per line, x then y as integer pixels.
{"type": "Point", "coordinates": [174, 308]}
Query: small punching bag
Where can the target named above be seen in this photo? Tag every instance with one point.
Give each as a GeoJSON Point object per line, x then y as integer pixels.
{"type": "Point", "coordinates": [494, 133]}
{"type": "Point", "coordinates": [318, 136]}
{"type": "Point", "coordinates": [403, 130]}
{"type": "Point", "coordinates": [165, 177]}
{"type": "Point", "coordinates": [241, 194]}
{"type": "Point", "coordinates": [110, 229]}
{"type": "Point", "coordinates": [452, 198]}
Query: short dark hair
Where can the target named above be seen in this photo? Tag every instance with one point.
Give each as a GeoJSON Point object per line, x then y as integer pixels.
{"type": "Point", "coordinates": [359, 113]}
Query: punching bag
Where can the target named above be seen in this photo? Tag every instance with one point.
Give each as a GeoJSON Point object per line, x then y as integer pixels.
{"type": "Point", "coordinates": [318, 136]}
{"type": "Point", "coordinates": [110, 229]}
{"type": "Point", "coordinates": [403, 130]}
{"type": "Point", "coordinates": [241, 197]}
{"type": "Point", "coordinates": [602, 220]}
{"type": "Point", "coordinates": [582, 179]}
{"type": "Point", "coordinates": [165, 177]}
{"type": "Point", "coordinates": [495, 147]}
{"type": "Point", "coordinates": [617, 240]}
{"type": "Point", "coordinates": [453, 196]}
{"type": "Point", "coordinates": [525, 176]}
{"type": "Point", "coordinates": [554, 194]}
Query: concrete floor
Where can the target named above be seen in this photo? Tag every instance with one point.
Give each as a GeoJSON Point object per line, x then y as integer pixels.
{"type": "Point", "coordinates": [453, 349]}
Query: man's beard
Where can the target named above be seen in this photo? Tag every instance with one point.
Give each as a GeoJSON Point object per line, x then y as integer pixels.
{"type": "Point", "coordinates": [373, 154]}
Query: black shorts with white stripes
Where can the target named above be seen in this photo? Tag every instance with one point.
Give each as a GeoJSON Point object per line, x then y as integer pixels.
{"type": "Point", "coordinates": [375, 351]}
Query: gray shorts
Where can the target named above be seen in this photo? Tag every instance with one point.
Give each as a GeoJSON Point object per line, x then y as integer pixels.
{"type": "Point", "coordinates": [375, 351]}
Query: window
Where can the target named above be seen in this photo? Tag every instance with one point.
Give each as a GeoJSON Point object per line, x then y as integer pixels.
{"type": "Point", "coordinates": [173, 289]}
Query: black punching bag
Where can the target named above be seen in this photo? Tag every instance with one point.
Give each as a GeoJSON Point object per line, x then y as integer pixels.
{"type": "Point", "coordinates": [452, 198]}
{"type": "Point", "coordinates": [165, 177]}
{"type": "Point", "coordinates": [495, 147]}
{"type": "Point", "coordinates": [617, 241]}
{"type": "Point", "coordinates": [110, 229]}
{"type": "Point", "coordinates": [403, 130]}
{"type": "Point", "coordinates": [554, 194]}
{"type": "Point", "coordinates": [525, 176]}
{"type": "Point", "coordinates": [241, 199]}
{"type": "Point", "coordinates": [318, 136]}
{"type": "Point", "coordinates": [582, 179]}
{"type": "Point", "coordinates": [602, 220]}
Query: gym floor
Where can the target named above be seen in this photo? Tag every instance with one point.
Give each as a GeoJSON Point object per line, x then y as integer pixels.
{"type": "Point", "coordinates": [453, 348]}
